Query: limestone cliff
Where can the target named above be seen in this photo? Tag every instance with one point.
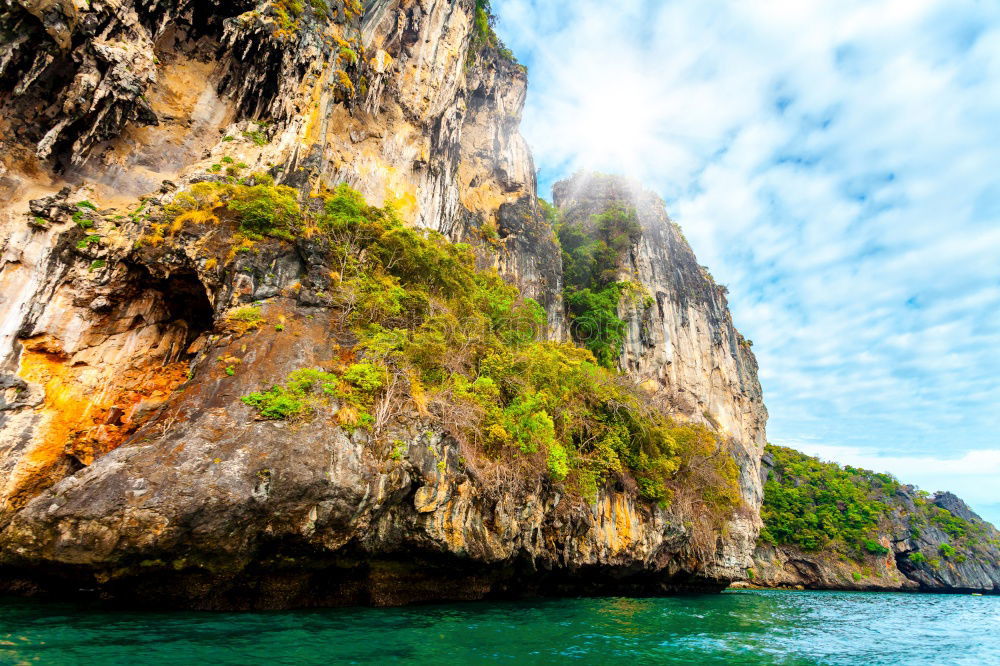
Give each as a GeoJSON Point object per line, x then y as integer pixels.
{"type": "Point", "coordinates": [680, 340]}
{"type": "Point", "coordinates": [130, 466]}
{"type": "Point", "coordinates": [907, 539]}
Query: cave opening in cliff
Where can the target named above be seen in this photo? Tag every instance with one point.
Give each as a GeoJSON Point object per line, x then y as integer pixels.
{"type": "Point", "coordinates": [185, 299]}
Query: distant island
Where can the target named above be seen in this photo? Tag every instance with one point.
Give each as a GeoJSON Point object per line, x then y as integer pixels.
{"type": "Point", "coordinates": [833, 527]}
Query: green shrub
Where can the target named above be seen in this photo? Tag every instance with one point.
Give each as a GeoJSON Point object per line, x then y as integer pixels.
{"type": "Point", "coordinates": [917, 558]}
{"type": "Point", "coordinates": [947, 550]}
{"type": "Point", "coordinates": [399, 448]}
{"type": "Point", "coordinates": [275, 403]}
{"type": "Point", "coordinates": [257, 137]}
{"type": "Point", "coordinates": [82, 220]}
{"type": "Point", "coordinates": [528, 424]}
{"type": "Point", "coordinates": [427, 259]}
{"type": "Point", "coordinates": [551, 214]}
{"type": "Point", "coordinates": [349, 55]}
{"type": "Point", "coordinates": [875, 547]}
{"type": "Point", "coordinates": [299, 395]}
{"type": "Point", "coordinates": [593, 250]}
{"type": "Point", "coordinates": [483, 35]}
{"type": "Point", "coordinates": [346, 209]}
{"type": "Point", "coordinates": [482, 30]}
{"type": "Point", "coordinates": [306, 389]}
{"type": "Point", "coordinates": [261, 208]}
{"type": "Point", "coordinates": [856, 576]}
{"type": "Point", "coordinates": [558, 461]}
{"type": "Point", "coordinates": [367, 377]}
{"type": "Point", "coordinates": [952, 525]}
{"type": "Point", "coordinates": [248, 314]}
{"type": "Point", "coordinates": [267, 210]}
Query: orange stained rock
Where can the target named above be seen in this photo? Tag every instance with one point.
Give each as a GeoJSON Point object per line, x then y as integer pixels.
{"type": "Point", "coordinates": [623, 521]}
{"type": "Point", "coordinates": [81, 420]}
{"type": "Point", "coordinates": [62, 408]}
{"type": "Point", "coordinates": [454, 532]}
{"type": "Point", "coordinates": [316, 104]}
{"type": "Point", "coordinates": [485, 198]}
{"type": "Point", "coordinates": [615, 516]}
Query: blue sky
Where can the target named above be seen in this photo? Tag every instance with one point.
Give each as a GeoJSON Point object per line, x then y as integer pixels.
{"type": "Point", "coordinates": [837, 165]}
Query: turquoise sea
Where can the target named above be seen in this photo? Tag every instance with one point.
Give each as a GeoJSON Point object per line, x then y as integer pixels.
{"type": "Point", "coordinates": [736, 627]}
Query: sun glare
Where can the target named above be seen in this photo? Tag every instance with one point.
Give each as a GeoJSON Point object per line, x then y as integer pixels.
{"type": "Point", "coordinates": [614, 125]}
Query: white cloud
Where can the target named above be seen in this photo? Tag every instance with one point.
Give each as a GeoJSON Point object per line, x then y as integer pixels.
{"type": "Point", "coordinates": [834, 162]}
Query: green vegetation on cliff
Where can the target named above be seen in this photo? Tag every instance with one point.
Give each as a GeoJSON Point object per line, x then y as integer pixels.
{"type": "Point", "coordinates": [813, 504]}
{"type": "Point", "coordinates": [485, 37]}
{"type": "Point", "coordinates": [260, 207]}
{"type": "Point", "coordinates": [817, 505]}
{"type": "Point", "coordinates": [592, 252]}
{"type": "Point", "coordinates": [460, 348]}
{"type": "Point", "coordinates": [966, 538]}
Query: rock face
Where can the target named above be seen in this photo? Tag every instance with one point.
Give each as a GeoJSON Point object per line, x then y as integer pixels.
{"type": "Point", "coordinates": [931, 543]}
{"type": "Point", "coordinates": [129, 465]}
{"type": "Point", "coordinates": [680, 341]}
